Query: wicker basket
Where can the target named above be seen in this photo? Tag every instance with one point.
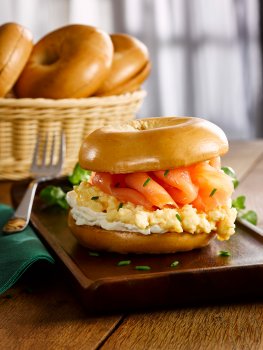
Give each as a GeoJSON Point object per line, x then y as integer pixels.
{"type": "Point", "coordinates": [22, 120]}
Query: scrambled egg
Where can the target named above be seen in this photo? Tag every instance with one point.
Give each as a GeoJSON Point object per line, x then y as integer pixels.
{"type": "Point", "coordinates": [90, 206]}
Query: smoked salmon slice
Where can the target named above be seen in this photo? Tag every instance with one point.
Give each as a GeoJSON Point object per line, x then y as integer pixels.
{"type": "Point", "coordinates": [110, 184]}
{"type": "Point", "coordinates": [103, 181]}
{"type": "Point", "coordinates": [215, 187]}
{"type": "Point", "coordinates": [150, 189]}
{"type": "Point", "coordinates": [178, 184]}
{"type": "Point", "coordinates": [133, 196]}
{"type": "Point", "coordinates": [203, 185]}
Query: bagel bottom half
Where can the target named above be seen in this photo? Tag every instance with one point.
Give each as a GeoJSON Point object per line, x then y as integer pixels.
{"type": "Point", "coordinates": [96, 238]}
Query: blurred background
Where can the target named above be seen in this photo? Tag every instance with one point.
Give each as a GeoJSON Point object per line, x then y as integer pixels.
{"type": "Point", "coordinates": [206, 55]}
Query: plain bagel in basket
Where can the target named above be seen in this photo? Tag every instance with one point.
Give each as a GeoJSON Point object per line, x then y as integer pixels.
{"type": "Point", "coordinates": [156, 187]}
{"type": "Point", "coordinates": [70, 62]}
{"type": "Point", "coordinates": [130, 66]}
{"type": "Point", "coordinates": [16, 43]}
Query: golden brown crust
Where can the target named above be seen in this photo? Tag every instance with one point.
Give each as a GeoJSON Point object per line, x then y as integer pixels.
{"type": "Point", "coordinates": [16, 43]}
{"type": "Point", "coordinates": [152, 144]}
{"type": "Point", "coordinates": [133, 84]}
{"type": "Point", "coordinates": [70, 62]}
{"type": "Point", "coordinates": [129, 62]}
{"type": "Point", "coordinates": [96, 238]}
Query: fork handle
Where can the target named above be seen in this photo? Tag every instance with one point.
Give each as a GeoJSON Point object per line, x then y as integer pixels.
{"type": "Point", "coordinates": [20, 219]}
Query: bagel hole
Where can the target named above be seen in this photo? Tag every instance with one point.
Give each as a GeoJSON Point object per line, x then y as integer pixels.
{"type": "Point", "coordinates": [50, 58]}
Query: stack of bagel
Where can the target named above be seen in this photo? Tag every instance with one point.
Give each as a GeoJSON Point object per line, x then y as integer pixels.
{"type": "Point", "coordinates": [75, 61]}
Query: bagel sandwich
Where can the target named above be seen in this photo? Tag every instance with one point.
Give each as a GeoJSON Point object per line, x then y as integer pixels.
{"type": "Point", "coordinates": [156, 187]}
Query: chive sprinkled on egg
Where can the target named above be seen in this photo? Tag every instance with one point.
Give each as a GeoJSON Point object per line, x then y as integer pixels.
{"type": "Point", "coordinates": [213, 192]}
{"type": "Point", "coordinates": [124, 263]}
{"type": "Point", "coordinates": [166, 172]}
{"type": "Point", "coordinates": [94, 198]}
{"type": "Point", "coordinates": [178, 217]}
{"type": "Point", "coordinates": [120, 206]}
{"type": "Point", "coordinates": [146, 182]}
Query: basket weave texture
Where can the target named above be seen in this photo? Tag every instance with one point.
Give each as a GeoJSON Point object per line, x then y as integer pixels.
{"type": "Point", "coordinates": [23, 121]}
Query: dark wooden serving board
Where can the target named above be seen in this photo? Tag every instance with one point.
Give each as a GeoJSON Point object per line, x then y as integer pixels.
{"type": "Point", "coordinates": [201, 276]}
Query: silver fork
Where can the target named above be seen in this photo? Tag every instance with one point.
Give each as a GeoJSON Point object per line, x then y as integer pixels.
{"type": "Point", "coordinates": [45, 171]}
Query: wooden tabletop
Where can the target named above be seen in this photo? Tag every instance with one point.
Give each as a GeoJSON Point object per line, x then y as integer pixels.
{"type": "Point", "coordinates": [42, 312]}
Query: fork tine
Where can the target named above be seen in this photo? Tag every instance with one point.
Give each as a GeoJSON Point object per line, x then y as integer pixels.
{"type": "Point", "coordinates": [35, 154]}
{"type": "Point", "coordinates": [40, 173]}
{"type": "Point", "coordinates": [52, 151]}
{"type": "Point", "coordinates": [44, 151]}
{"type": "Point", "coordinates": [61, 151]}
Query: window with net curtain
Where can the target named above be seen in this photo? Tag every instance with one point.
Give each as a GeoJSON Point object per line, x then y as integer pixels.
{"type": "Point", "coordinates": [205, 54]}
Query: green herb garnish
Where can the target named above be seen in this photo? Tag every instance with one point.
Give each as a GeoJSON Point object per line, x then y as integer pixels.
{"type": "Point", "coordinates": [79, 174]}
{"type": "Point", "coordinates": [231, 172]}
{"type": "Point", "coordinates": [213, 192]}
{"type": "Point", "coordinates": [54, 195]}
{"type": "Point", "coordinates": [146, 182]}
{"type": "Point", "coordinates": [174, 264]}
{"type": "Point", "coordinates": [124, 263]}
{"type": "Point", "coordinates": [94, 198]}
{"type": "Point", "coordinates": [224, 253]}
{"type": "Point", "coordinates": [142, 268]}
{"type": "Point", "coordinates": [250, 216]}
{"type": "Point", "coordinates": [120, 206]}
{"type": "Point", "coordinates": [239, 203]}
{"type": "Point", "coordinates": [94, 254]}
{"type": "Point", "coordinates": [166, 172]}
{"type": "Point", "coordinates": [178, 217]}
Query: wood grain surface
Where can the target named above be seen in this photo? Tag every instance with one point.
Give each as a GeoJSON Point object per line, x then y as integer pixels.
{"type": "Point", "coordinates": [211, 328]}
{"type": "Point", "coordinates": [42, 312]}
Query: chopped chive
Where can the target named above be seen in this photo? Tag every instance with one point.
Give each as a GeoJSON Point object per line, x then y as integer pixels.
{"type": "Point", "coordinates": [142, 268]}
{"type": "Point", "coordinates": [224, 253]}
{"type": "Point", "coordinates": [174, 264]}
{"type": "Point", "coordinates": [166, 172]}
{"type": "Point", "coordinates": [213, 192]}
{"type": "Point", "coordinates": [93, 254]}
{"type": "Point", "coordinates": [94, 198]}
{"type": "Point", "coordinates": [117, 185]}
{"type": "Point", "coordinates": [178, 217]}
{"type": "Point", "coordinates": [146, 182]}
{"type": "Point", "coordinates": [124, 263]}
{"type": "Point", "coordinates": [120, 206]}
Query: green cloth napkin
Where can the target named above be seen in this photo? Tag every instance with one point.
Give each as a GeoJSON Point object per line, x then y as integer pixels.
{"type": "Point", "coordinates": [18, 251]}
